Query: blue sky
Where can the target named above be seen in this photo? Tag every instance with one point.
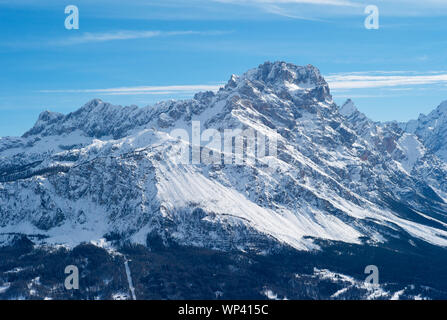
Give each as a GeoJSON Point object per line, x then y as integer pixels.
{"type": "Point", "coordinates": [140, 52]}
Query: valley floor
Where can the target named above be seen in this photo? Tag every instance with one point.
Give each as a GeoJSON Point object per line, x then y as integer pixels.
{"type": "Point", "coordinates": [337, 272]}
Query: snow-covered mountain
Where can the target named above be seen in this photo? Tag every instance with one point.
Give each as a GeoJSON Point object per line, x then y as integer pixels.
{"type": "Point", "coordinates": [108, 171]}
{"type": "Point", "coordinates": [431, 129]}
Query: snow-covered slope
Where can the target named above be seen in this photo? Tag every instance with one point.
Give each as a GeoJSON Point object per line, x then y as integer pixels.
{"type": "Point", "coordinates": [112, 171]}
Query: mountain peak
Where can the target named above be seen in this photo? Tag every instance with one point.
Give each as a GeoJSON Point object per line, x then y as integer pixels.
{"type": "Point", "coordinates": [348, 108]}
{"type": "Point", "coordinates": [95, 105]}
{"type": "Point", "coordinates": [45, 119]}
{"type": "Point", "coordinates": [281, 72]}
{"type": "Point", "coordinates": [285, 80]}
{"type": "Point", "coordinates": [442, 108]}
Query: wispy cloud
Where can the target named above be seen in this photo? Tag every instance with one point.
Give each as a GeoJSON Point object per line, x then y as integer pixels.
{"type": "Point", "coordinates": [314, 2]}
{"type": "Point", "coordinates": [88, 37]}
{"type": "Point", "coordinates": [280, 11]}
{"type": "Point", "coordinates": [366, 80]}
{"type": "Point", "coordinates": [342, 82]}
{"type": "Point", "coordinates": [291, 8]}
{"type": "Point", "coordinates": [99, 37]}
{"type": "Point", "coordinates": [144, 90]}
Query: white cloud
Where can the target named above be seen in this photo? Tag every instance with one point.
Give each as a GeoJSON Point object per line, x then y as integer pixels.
{"type": "Point", "coordinates": [366, 80]}
{"type": "Point", "coordinates": [143, 90]}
